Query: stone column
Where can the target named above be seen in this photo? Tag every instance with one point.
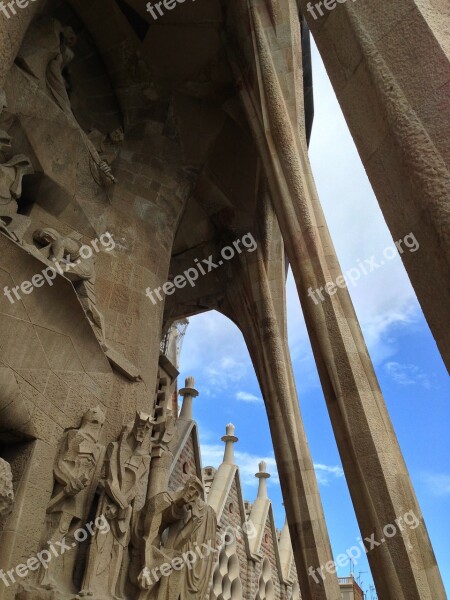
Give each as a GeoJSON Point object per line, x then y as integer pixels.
{"type": "Point", "coordinates": [256, 303]}
{"type": "Point", "coordinates": [389, 69]}
{"type": "Point", "coordinates": [404, 566]}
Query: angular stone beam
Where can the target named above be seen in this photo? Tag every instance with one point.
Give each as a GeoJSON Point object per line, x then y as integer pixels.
{"type": "Point", "coordinates": [255, 301]}
{"type": "Point", "coordinates": [389, 66]}
{"type": "Point", "coordinates": [12, 32]}
{"type": "Point", "coordinates": [267, 71]}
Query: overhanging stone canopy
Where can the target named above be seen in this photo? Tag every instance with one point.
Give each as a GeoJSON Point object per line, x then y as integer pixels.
{"type": "Point", "coordinates": [156, 144]}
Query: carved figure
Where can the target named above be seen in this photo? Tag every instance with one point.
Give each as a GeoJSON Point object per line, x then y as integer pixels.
{"type": "Point", "coordinates": [63, 56]}
{"type": "Point", "coordinates": [6, 489]}
{"type": "Point", "coordinates": [126, 467]}
{"type": "Point", "coordinates": [65, 251]}
{"type": "Point", "coordinates": [46, 56]}
{"type": "Point", "coordinates": [175, 524]}
{"type": "Point", "coordinates": [107, 146]}
{"type": "Point", "coordinates": [76, 471]}
{"type": "Point", "coordinates": [199, 526]}
{"type": "Point", "coordinates": [11, 175]}
{"type": "Point", "coordinates": [5, 138]}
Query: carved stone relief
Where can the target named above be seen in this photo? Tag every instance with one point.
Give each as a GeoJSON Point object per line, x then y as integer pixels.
{"type": "Point", "coordinates": [45, 56]}
{"type": "Point", "coordinates": [76, 471]}
{"type": "Point", "coordinates": [12, 171]}
{"type": "Point", "coordinates": [175, 524]}
{"type": "Point", "coordinates": [6, 490]}
{"type": "Point", "coordinates": [126, 467]}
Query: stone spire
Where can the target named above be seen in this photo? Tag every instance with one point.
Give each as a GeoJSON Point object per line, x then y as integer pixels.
{"type": "Point", "coordinates": [285, 548]}
{"type": "Point", "coordinates": [188, 392]}
{"type": "Point", "coordinates": [230, 439]}
{"type": "Point", "coordinates": [262, 476]}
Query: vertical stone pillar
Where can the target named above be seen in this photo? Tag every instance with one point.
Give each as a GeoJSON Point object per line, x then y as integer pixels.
{"type": "Point", "coordinates": [404, 566]}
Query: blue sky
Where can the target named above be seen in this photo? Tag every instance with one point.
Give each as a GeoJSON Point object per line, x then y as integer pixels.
{"type": "Point", "coordinates": [413, 378]}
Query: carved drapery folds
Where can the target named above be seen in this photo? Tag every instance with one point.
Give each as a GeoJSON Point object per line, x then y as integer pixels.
{"type": "Point", "coordinates": [126, 466]}
{"type": "Point", "coordinates": [45, 57]}
{"type": "Point", "coordinates": [76, 471]}
{"type": "Point", "coordinates": [12, 171]}
{"type": "Point", "coordinates": [174, 526]}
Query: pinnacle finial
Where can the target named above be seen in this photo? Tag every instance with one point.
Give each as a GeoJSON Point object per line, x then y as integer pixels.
{"type": "Point", "coordinates": [188, 392]}
{"type": "Point", "coordinates": [230, 439]}
{"type": "Point", "coordinates": [262, 475]}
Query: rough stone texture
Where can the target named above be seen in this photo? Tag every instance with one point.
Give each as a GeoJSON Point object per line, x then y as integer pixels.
{"type": "Point", "coordinates": [206, 107]}
{"type": "Point", "coordinates": [389, 63]}
{"type": "Point", "coordinates": [6, 489]}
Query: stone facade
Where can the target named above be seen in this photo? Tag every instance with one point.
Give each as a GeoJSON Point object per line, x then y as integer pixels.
{"type": "Point", "coordinates": [248, 562]}
{"type": "Point", "coordinates": [135, 151]}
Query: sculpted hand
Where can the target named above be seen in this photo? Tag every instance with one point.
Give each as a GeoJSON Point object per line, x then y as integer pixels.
{"type": "Point", "coordinates": [75, 486]}
{"type": "Point", "coordinates": [144, 579]}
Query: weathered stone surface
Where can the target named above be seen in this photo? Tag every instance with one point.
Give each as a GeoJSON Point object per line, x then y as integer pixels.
{"type": "Point", "coordinates": [151, 145]}
{"type": "Point", "coordinates": [6, 489]}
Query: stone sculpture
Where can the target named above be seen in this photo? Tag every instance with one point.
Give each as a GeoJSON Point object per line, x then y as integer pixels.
{"type": "Point", "coordinates": [127, 465]}
{"type": "Point", "coordinates": [46, 57]}
{"type": "Point", "coordinates": [63, 252]}
{"type": "Point", "coordinates": [76, 471]}
{"type": "Point", "coordinates": [175, 524]}
{"type": "Point", "coordinates": [5, 138]}
{"type": "Point", "coordinates": [107, 146]}
{"type": "Point", "coordinates": [6, 489]}
{"type": "Point", "coordinates": [12, 173]}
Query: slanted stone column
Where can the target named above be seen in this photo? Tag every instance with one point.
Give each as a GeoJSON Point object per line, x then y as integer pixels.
{"type": "Point", "coordinates": [404, 566]}
{"type": "Point", "coordinates": [389, 69]}
{"type": "Point", "coordinates": [255, 301]}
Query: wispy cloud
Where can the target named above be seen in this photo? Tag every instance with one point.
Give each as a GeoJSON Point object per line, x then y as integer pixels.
{"type": "Point", "coordinates": [326, 474]}
{"type": "Point", "coordinates": [251, 398]}
{"type": "Point", "coordinates": [407, 374]}
{"type": "Point", "coordinates": [248, 463]}
{"type": "Point", "coordinates": [214, 352]}
{"type": "Point", "coordinates": [438, 484]}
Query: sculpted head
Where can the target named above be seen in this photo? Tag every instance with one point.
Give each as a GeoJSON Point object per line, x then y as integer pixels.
{"type": "Point", "coordinates": [70, 37]}
{"type": "Point", "coordinates": [193, 489]}
{"type": "Point", "coordinates": [117, 136]}
{"type": "Point", "coordinates": [142, 425]}
{"type": "Point", "coordinates": [93, 421]}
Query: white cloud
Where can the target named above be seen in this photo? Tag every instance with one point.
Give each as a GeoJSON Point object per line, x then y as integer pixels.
{"type": "Point", "coordinates": [214, 352]}
{"type": "Point", "coordinates": [407, 374]}
{"type": "Point", "coordinates": [212, 455]}
{"type": "Point", "coordinates": [326, 474]}
{"type": "Point", "coordinates": [251, 398]}
{"type": "Point", "coordinates": [385, 297]}
{"type": "Point", "coordinates": [438, 484]}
